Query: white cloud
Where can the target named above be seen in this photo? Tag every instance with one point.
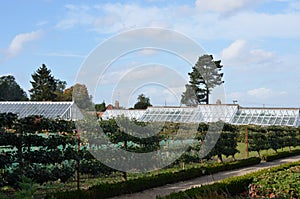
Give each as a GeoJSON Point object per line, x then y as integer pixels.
{"type": "Point", "coordinates": [221, 6]}
{"type": "Point", "coordinates": [116, 17]}
{"type": "Point", "coordinates": [18, 42]}
{"type": "Point", "coordinates": [240, 53]}
{"type": "Point", "coordinates": [42, 23]}
{"type": "Point", "coordinates": [260, 92]}
{"type": "Point", "coordinates": [59, 54]}
{"type": "Point", "coordinates": [258, 97]}
{"type": "Point", "coordinates": [76, 15]}
{"type": "Point", "coordinates": [234, 50]}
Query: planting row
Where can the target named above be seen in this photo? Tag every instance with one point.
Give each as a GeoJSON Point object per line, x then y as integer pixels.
{"type": "Point", "coordinates": [48, 150]}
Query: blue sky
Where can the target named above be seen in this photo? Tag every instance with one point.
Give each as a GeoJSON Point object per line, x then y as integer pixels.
{"type": "Point", "coordinates": [257, 41]}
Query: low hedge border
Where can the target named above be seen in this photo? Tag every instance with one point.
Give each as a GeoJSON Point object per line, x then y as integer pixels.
{"type": "Point", "coordinates": [231, 186]}
{"type": "Point", "coordinates": [136, 185]}
{"type": "Point", "coordinates": [280, 155]}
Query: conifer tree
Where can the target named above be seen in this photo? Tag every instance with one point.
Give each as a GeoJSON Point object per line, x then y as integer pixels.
{"type": "Point", "coordinates": [44, 86]}
{"type": "Point", "coordinates": [205, 75]}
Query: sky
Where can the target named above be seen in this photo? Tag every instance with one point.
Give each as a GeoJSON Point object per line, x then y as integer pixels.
{"type": "Point", "coordinates": [257, 41]}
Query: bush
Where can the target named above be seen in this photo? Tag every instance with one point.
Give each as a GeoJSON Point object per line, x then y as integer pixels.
{"type": "Point", "coordinates": [232, 186]}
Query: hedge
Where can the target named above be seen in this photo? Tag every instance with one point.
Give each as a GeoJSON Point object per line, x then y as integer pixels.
{"type": "Point", "coordinates": [279, 155]}
{"type": "Point", "coordinates": [136, 185]}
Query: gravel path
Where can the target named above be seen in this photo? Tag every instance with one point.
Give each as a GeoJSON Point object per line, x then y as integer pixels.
{"type": "Point", "coordinates": [181, 186]}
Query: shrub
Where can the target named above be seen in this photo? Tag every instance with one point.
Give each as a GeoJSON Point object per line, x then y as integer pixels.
{"type": "Point", "coordinates": [280, 155]}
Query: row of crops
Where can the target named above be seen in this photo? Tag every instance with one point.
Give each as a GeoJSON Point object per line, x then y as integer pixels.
{"type": "Point", "coordinates": [50, 150]}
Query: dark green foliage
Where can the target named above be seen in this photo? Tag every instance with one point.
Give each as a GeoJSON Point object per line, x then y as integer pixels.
{"type": "Point", "coordinates": [135, 185]}
{"type": "Point", "coordinates": [100, 107]}
{"type": "Point", "coordinates": [44, 86]}
{"type": "Point", "coordinates": [227, 141]}
{"type": "Point", "coordinates": [43, 150]}
{"type": "Point", "coordinates": [121, 130]}
{"type": "Point", "coordinates": [10, 90]}
{"type": "Point", "coordinates": [230, 187]}
{"type": "Point", "coordinates": [257, 139]}
{"type": "Point", "coordinates": [205, 76]}
{"type": "Point", "coordinates": [7, 119]}
{"type": "Point", "coordinates": [272, 137]}
{"type": "Point", "coordinates": [281, 154]}
{"type": "Point", "coordinates": [143, 102]}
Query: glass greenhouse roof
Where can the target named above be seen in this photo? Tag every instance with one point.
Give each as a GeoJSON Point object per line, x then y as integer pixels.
{"type": "Point", "coordinates": [267, 116]}
{"type": "Point", "coordinates": [214, 113]}
{"type": "Point", "coordinates": [172, 114]}
{"type": "Point", "coordinates": [229, 113]}
{"type": "Point", "coordinates": [122, 112]}
{"type": "Point", "coordinates": [52, 110]}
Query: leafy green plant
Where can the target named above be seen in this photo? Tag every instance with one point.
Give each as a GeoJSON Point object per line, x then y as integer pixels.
{"type": "Point", "coordinates": [27, 188]}
{"type": "Point", "coordinates": [280, 184]}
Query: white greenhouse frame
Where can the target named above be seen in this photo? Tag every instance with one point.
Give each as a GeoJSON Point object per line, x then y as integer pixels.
{"type": "Point", "coordinates": [267, 116]}
{"type": "Point", "coordinates": [51, 110]}
{"type": "Point", "coordinates": [229, 113]}
{"type": "Point", "coordinates": [131, 114]}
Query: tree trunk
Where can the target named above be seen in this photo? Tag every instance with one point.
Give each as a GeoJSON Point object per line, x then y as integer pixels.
{"type": "Point", "coordinates": [124, 176]}
{"type": "Point", "coordinates": [207, 96]}
{"type": "Point", "coordinates": [220, 159]}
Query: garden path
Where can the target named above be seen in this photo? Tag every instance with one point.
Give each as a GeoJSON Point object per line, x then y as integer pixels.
{"type": "Point", "coordinates": [184, 185]}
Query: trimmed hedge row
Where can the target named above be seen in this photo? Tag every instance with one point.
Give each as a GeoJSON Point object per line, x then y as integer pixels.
{"type": "Point", "coordinates": [279, 155]}
{"type": "Point", "coordinates": [140, 184]}
{"type": "Point", "coordinates": [231, 186]}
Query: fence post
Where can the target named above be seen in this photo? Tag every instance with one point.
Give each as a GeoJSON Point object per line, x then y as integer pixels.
{"type": "Point", "coordinates": [78, 159]}
{"type": "Point", "coordinates": [247, 143]}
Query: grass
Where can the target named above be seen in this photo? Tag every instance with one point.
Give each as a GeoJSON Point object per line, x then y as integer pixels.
{"type": "Point", "coordinates": [242, 154]}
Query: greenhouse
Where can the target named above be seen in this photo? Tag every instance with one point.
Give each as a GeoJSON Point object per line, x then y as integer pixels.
{"type": "Point", "coordinates": [51, 110]}
{"type": "Point", "coordinates": [112, 113]}
{"type": "Point", "coordinates": [267, 116]}
{"type": "Point", "coordinates": [229, 113]}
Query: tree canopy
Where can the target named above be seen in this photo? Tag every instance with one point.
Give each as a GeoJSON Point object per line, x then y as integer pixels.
{"type": "Point", "coordinates": [143, 102]}
{"type": "Point", "coordinates": [10, 90]}
{"type": "Point", "coordinates": [205, 75]}
{"type": "Point", "coordinates": [45, 87]}
{"type": "Point", "coordinates": [100, 107]}
{"type": "Point", "coordinates": [80, 95]}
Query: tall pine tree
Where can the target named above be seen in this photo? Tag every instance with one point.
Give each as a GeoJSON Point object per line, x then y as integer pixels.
{"type": "Point", "coordinates": [44, 86]}
{"type": "Point", "coordinates": [205, 76]}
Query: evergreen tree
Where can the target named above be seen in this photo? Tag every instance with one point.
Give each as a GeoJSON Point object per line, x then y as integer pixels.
{"type": "Point", "coordinates": [10, 90]}
{"type": "Point", "coordinates": [205, 75]}
{"type": "Point", "coordinates": [60, 87]}
{"type": "Point", "coordinates": [44, 86]}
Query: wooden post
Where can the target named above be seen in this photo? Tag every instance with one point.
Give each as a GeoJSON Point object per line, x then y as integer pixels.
{"type": "Point", "coordinates": [78, 160]}
{"type": "Point", "coordinates": [247, 143]}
